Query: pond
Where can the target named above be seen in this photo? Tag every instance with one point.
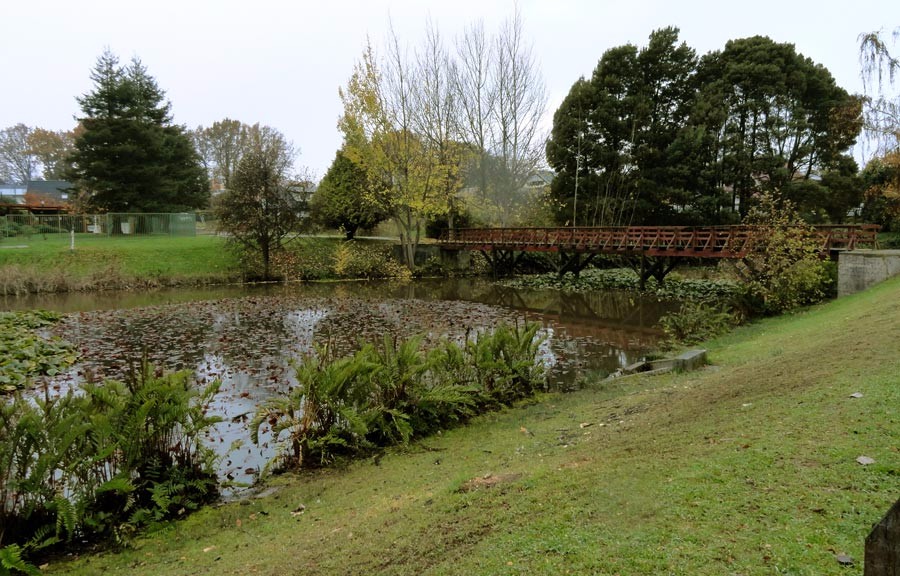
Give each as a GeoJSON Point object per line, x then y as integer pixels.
{"type": "Point", "coordinates": [247, 336]}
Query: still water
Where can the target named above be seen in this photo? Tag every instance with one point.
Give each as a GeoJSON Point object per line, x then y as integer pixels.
{"type": "Point", "coordinates": [247, 336]}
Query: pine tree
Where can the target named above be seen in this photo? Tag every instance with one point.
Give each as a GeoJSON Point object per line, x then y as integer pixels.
{"type": "Point", "coordinates": [131, 157]}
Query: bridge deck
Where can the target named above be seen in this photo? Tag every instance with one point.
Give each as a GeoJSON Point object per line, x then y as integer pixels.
{"type": "Point", "coordinates": [679, 241]}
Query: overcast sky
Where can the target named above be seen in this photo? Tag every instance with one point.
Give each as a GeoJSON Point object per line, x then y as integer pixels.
{"type": "Point", "coordinates": [280, 63]}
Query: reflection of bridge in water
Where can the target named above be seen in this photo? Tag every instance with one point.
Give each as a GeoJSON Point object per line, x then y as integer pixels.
{"type": "Point", "coordinates": [614, 317]}
{"type": "Point", "coordinates": [658, 249]}
{"type": "Point", "coordinates": [623, 319]}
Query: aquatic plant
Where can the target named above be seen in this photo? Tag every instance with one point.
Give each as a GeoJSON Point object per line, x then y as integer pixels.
{"type": "Point", "coordinates": [103, 462]}
{"type": "Point", "coordinates": [388, 394]}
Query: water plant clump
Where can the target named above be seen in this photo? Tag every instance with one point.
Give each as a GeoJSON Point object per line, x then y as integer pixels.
{"type": "Point", "coordinates": [103, 462]}
{"type": "Point", "coordinates": [27, 353]}
{"type": "Point", "coordinates": [696, 322]}
{"type": "Point", "coordinates": [387, 394]}
{"type": "Point", "coordinates": [596, 279]}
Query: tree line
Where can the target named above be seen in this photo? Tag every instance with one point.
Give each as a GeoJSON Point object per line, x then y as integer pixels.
{"type": "Point", "coordinates": [658, 135]}
{"type": "Point", "coordinates": [448, 132]}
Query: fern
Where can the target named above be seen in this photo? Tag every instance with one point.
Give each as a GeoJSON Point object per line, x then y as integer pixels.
{"type": "Point", "coordinates": [12, 562]}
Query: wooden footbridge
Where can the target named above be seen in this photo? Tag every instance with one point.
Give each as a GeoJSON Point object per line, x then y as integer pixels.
{"type": "Point", "coordinates": [658, 249]}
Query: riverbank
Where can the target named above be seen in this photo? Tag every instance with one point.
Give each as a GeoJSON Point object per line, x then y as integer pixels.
{"type": "Point", "coordinates": [47, 265]}
{"type": "Point", "coordinates": [747, 467]}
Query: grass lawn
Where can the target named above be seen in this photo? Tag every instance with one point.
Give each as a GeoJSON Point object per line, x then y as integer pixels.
{"type": "Point", "coordinates": [163, 259]}
{"type": "Point", "coordinates": [746, 467]}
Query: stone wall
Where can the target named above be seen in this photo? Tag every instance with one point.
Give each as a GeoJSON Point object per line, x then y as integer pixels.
{"type": "Point", "coordinates": [859, 269]}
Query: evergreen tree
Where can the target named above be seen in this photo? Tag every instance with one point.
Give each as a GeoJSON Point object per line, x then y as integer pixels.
{"type": "Point", "coordinates": [772, 117]}
{"type": "Point", "coordinates": [657, 137]}
{"type": "Point", "coordinates": [343, 199]}
{"type": "Point", "coordinates": [614, 131]}
{"type": "Point", "coordinates": [131, 157]}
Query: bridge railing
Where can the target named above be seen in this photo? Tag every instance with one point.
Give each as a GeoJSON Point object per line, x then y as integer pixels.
{"type": "Point", "coordinates": [699, 241]}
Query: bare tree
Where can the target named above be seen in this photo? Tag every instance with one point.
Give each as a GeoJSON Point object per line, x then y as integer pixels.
{"type": "Point", "coordinates": [436, 116]}
{"type": "Point", "coordinates": [380, 134]}
{"type": "Point", "coordinates": [502, 100]}
{"type": "Point", "coordinates": [18, 164]}
{"type": "Point", "coordinates": [517, 140]}
{"type": "Point", "coordinates": [475, 95]}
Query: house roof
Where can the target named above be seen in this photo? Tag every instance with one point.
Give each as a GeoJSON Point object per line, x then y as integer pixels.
{"type": "Point", "coordinates": [56, 189]}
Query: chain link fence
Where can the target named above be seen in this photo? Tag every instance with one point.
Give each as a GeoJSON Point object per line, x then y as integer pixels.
{"type": "Point", "coordinates": [111, 224]}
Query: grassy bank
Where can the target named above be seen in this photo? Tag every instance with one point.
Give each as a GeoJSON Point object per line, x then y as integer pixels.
{"type": "Point", "coordinates": [747, 467]}
{"type": "Point", "coordinates": [48, 265]}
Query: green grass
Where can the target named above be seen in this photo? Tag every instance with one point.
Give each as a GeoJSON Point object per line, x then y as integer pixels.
{"type": "Point", "coordinates": [113, 262]}
{"type": "Point", "coordinates": [748, 467]}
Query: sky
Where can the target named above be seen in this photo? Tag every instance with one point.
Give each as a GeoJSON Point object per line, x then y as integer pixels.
{"type": "Point", "coordinates": [280, 63]}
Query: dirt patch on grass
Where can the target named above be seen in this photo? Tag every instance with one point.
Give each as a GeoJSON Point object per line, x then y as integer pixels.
{"type": "Point", "coordinates": [488, 481]}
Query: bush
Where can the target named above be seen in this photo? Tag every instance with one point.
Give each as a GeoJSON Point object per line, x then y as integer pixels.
{"type": "Point", "coordinates": [354, 259]}
{"type": "Point", "coordinates": [307, 259]}
{"type": "Point", "coordinates": [104, 462]}
{"type": "Point", "coordinates": [784, 270]}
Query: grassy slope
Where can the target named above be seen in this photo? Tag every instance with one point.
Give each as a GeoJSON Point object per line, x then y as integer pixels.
{"type": "Point", "coordinates": [747, 467]}
{"type": "Point", "coordinates": [156, 257]}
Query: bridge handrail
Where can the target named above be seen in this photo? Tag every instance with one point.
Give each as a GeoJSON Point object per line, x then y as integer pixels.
{"type": "Point", "coordinates": [723, 241]}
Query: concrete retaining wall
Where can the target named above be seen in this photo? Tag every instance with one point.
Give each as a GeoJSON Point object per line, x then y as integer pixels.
{"type": "Point", "coordinates": [859, 269]}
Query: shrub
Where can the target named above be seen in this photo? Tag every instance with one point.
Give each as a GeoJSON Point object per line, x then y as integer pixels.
{"type": "Point", "coordinates": [784, 270]}
{"type": "Point", "coordinates": [305, 259]}
{"type": "Point", "coordinates": [354, 259]}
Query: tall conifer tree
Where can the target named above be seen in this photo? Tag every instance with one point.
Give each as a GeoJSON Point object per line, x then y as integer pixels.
{"type": "Point", "coordinates": [131, 157]}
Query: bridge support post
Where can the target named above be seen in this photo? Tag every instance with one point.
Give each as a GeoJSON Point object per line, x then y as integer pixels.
{"type": "Point", "coordinates": [654, 267]}
{"type": "Point", "coordinates": [502, 262]}
{"type": "Point", "coordinates": [572, 262]}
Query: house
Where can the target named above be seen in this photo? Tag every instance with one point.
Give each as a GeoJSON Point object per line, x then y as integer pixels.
{"type": "Point", "coordinates": [540, 179]}
{"type": "Point", "coordinates": [36, 197]}
{"type": "Point", "coordinates": [48, 196]}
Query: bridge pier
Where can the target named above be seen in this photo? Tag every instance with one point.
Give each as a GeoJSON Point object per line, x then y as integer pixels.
{"type": "Point", "coordinates": [657, 267]}
{"type": "Point", "coordinates": [572, 262]}
{"type": "Point", "coordinates": [502, 262]}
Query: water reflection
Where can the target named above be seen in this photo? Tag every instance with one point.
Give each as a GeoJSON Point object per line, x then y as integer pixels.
{"type": "Point", "coordinates": [246, 337]}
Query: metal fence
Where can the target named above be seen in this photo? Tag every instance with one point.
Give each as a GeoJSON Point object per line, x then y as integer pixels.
{"type": "Point", "coordinates": [112, 224]}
